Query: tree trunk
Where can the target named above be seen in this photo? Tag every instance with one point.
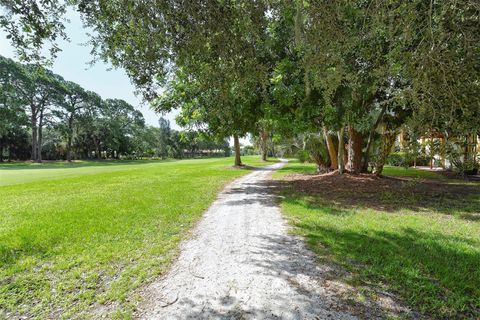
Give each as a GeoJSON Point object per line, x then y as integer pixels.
{"type": "Point", "coordinates": [341, 149]}
{"type": "Point", "coordinates": [474, 147]}
{"type": "Point", "coordinates": [1, 150]}
{"type": "Point", "coordinates": [97, 148]}
{"type": "Point", "coordinates": [332, 152]}
{"type": "Point", "coordinates": [33, 123]}
{"type": "Point", "coordinates": [39, 145]}
{"type": "Point", "coordinates": [355, 146]}
{"type": "Point", "coordinates": [236, 143]}
{"type": "Point", "coordinates": [403, 141]}
{"type": "Point", "coordinates": [263, 144]}
{"type": "Point", "coordinates": [69, 146]}
{"type": "Point", "coordinates": [69, 138]}
{"type": "Point", "coordinates": [40, 138]}
{"type": "Point", "coordinates": [465, 151]}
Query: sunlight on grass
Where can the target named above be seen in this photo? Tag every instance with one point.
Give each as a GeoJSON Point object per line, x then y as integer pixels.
{"type": "Point", "coordinates": [430, 258]}
{"type": "Point", "coordinates": [294, 166]}
{"type": "Point", "coordinates": [75, 237]}
{"type": "Point", "coordinates": [412, 173]}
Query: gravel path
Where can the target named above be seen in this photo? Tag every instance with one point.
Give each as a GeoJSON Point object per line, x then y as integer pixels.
{"type": "Point", "coordinates": [241, 263]}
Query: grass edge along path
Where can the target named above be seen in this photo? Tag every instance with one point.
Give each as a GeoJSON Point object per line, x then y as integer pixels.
{"type": "Point", "coordinates": [430, 258]}
{"type": "Point", "coordinates": [76, 243]}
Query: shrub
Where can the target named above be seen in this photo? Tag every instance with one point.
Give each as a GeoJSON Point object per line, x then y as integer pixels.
{"type": "Point", "coordinates": [248, 151]}
{"type": "Point", "coordinates": [318, 152]}
{"type": "Point", "coordinates": [396, 159]}
{"type": "Point", "coordinates": [303, 156]}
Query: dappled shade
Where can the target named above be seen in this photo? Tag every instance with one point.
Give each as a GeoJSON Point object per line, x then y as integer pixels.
{"type": "Point", "coordinates": [419, 238]}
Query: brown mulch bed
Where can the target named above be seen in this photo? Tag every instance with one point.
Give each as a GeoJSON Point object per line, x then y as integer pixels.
{"type": "Point", "coordinates": [388, 193]}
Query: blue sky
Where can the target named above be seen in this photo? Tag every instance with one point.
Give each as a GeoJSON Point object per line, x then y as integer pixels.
{"type": "Point", "coordinates": [71, 64]}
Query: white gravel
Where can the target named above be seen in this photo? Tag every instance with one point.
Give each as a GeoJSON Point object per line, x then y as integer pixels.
{"type": "Point", "coordinates": [241, 263]}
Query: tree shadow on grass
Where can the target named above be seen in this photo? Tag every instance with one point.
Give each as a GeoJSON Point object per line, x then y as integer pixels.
{"type": "Point", "coordinates": [72, 165]}
{"type": "Point", "coordinates": [28, 247]}
{"type": "Point", "coordinates": [434, 272]}
{"type": "Point", "coordinates": [341, 194]}
{"type": "Point", "coordinates": [325, 285]}
{"type": "Point", "coordinates": [430, 270]}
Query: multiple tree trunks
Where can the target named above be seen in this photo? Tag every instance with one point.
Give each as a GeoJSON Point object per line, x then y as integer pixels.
{"type": "Point", "coordinates": [36, 124]}
{"type": "Point", "coordinates": [349, 157]}
{"type": "Point", "coordinates": [236, 143]}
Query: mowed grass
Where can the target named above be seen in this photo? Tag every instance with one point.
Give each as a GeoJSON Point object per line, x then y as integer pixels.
{"type": "Point", "coordinates": [419, 239]}
{"type": "Point", "coordinates": [78, 239]}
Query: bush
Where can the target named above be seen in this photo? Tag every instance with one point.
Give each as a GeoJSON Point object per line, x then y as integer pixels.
{"type": "Point", "coordinates": [468, 167]}
{"type": "Point", "coordinates": [396, 159]}
{"type": "Point", "coordinates": [248, 151]}
{"type": "Point", "coordinates": [421, 161]}
{"type": "Point", "coordinates": [303, 156]}
{"type": "Point", "coordinates": [402, 159]}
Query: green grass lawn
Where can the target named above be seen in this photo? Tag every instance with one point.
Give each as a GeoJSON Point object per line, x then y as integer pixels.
{"type": "Point", "coordinates": [75, 238]}
{"type": "Point", "coordinates": [418, 238]}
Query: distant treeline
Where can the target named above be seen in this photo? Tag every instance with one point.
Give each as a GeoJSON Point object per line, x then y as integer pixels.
{"type": "Point", "coordinates": [43, 116]}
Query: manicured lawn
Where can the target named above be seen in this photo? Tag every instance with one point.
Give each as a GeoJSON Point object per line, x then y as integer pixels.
{"type": "Point", "coordinates": [294, 166]}
{"type": "Point", "coordinates": [75, 238]}
{"type": "Point", "coordinates": [419, 239]}
{"type": "Point", "coordinates": [412, 173]}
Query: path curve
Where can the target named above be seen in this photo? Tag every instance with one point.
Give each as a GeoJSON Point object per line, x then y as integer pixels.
{"type": "Point", "coordinates": [241, 263]}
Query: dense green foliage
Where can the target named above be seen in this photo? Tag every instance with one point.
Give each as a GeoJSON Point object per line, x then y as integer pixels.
{"type": "Point", "coordinates": [354, 71]}
{"type": "Point", "coordinates": [46, 117]}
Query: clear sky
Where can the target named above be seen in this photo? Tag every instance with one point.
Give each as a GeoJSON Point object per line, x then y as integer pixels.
{"type": "Point", "coordinates": [72, 65]}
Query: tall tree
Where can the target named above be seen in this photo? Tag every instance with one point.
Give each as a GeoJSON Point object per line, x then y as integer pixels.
{"type": "Point", "coordinates": [91, 124]}
{"type": "Point", "coordinates": [12, 115]}
{"type": "Point", "coordinates": [72, 99]}
{"type": "Point", "coordinates": [41, 91]}
{"type": "Point", "coordinates": [120, 122]}
{"type": "Point", "coordinates": [164, 136]}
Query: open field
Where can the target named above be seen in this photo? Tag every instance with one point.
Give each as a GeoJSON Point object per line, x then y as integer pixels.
{"type": "Point", "coordinates": [413, 233]}
{"type": "Point", "coordinates": [81, 237]}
